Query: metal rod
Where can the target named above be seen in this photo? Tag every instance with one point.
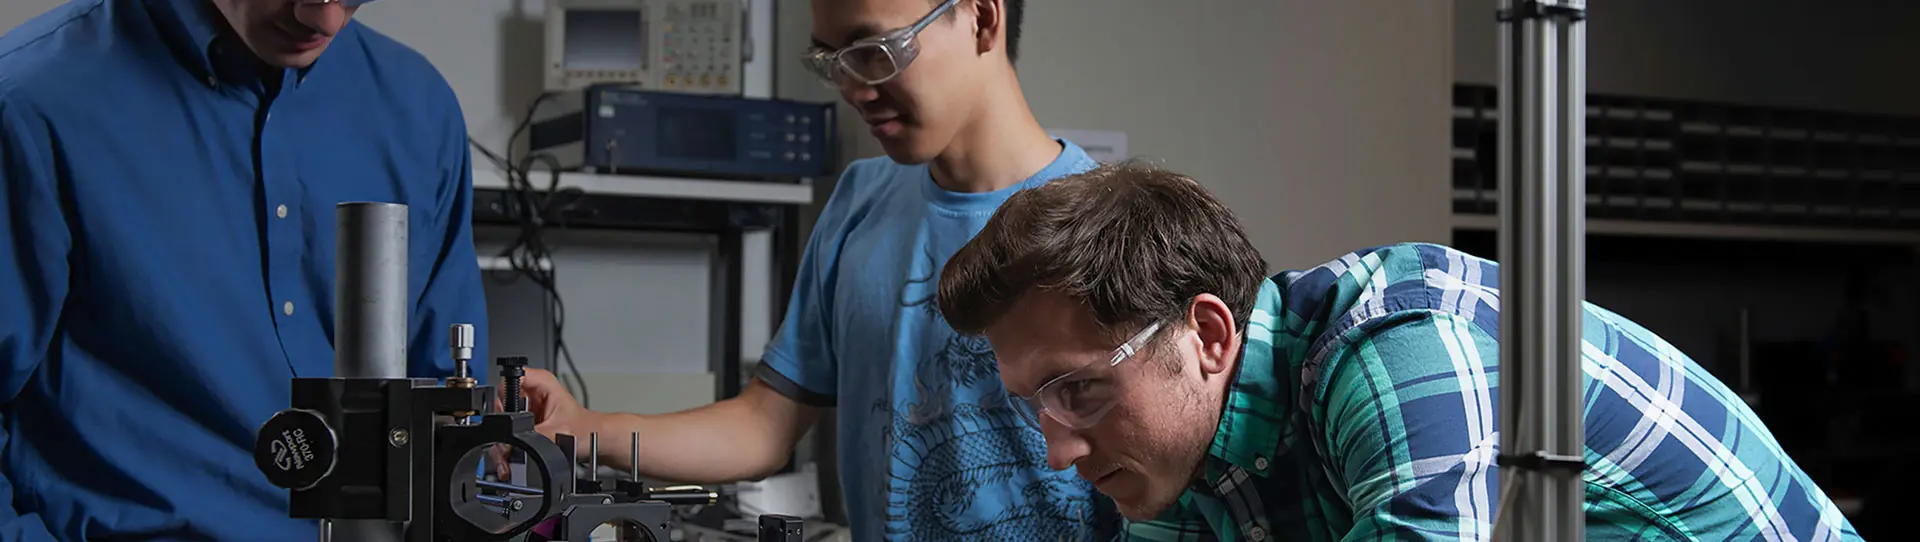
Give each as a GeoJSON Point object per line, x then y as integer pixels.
{"type": "Point", "coordinates": [370, 316]}
{"type": "Point", "coordinates": [1566, 499]}
{"type": "Point", "coordinates": [1542, 172]}
{"type": "Point", "coordinates": [593, 456]}
{"type": "Point", "coordinates": [370, 290]}
{"type": "Point", "coordinates": [633, 458]}
{"type": "Point", "coordinates": [522, 490]}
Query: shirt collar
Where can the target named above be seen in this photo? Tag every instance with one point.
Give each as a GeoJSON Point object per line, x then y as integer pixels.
{"type": "Point", "coordinates": [1253, 425]}
{"type": "Point", "coordinates": [193, 31]}
{"type": "Point", "coordinates": [188, 29]}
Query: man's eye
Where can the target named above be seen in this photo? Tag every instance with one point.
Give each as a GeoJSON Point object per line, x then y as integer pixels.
{"type": "Point", "coordinates": [1086, 393]}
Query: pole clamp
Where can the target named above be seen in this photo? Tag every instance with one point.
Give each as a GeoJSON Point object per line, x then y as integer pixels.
{"type": "Point", "coordinates": [1536, 9]}
{"type": "Point", "coordinates": [1543, 461]}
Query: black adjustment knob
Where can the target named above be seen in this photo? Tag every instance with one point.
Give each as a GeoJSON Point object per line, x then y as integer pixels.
{"type": "Point", "coordinates": [511, 369]}
{"type": "Point", "coordinates": [295, 449]}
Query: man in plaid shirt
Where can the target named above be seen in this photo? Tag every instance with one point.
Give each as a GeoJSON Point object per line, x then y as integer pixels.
{"type": "Point", "coordinates": [1352, 401]}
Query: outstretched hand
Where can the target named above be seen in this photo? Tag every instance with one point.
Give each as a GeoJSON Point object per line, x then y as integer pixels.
{"type": "Point", "coordinates": [554, 411]}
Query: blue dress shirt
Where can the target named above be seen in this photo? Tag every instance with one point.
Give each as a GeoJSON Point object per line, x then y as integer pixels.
{"type": "Point", "coordinates": [166, 257]}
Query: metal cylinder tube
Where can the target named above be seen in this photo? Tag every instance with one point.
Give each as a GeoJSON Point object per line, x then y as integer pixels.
{"type": "Point", "coordinates": [369, 316]}
{"type": "Point", "coordinates": [1542, 179]}
{"type": "Point", "coordinates": [370, 290]}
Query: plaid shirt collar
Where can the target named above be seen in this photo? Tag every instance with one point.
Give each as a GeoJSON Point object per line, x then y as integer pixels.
{"type": "Point", "coordinates": [1252, 429]}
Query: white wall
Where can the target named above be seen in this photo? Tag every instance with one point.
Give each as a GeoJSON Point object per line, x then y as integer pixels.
{"type": "Point", "coordinates": [1838, 54]}
{"type": "Point", "coordinates": [1322, 123]}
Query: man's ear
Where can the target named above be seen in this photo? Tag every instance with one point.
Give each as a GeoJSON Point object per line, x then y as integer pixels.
{"type": "Point", "coordinates": [1213, 323]}
{"type": "Point", "coordinates": [988, 24]}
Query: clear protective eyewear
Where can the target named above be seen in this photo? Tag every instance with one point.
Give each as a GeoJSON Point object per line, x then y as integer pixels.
{"type": "Point", "coordinates": [873, 60]}
{"type": "Point", "coordinates": [1081, 397]}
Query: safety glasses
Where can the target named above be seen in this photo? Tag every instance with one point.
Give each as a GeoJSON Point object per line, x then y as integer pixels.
{"type": "Point", "coordinates": [1080, 398]}
{"type": "Point", "coordinates": [873, 60]}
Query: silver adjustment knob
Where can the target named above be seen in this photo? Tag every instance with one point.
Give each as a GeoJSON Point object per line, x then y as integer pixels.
{"type": "Point", "coordinates": [460, 339]}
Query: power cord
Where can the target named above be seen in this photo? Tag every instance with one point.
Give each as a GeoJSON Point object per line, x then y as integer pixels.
{"type": "Point", "coordinates": [533, 210]}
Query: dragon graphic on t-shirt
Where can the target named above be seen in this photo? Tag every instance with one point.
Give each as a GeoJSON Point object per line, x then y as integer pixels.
{"type": "Point", "coordinates": [962, 448]}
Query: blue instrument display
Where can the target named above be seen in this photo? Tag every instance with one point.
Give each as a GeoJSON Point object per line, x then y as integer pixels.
{"type": "Point", "coordinates": [623, 130]}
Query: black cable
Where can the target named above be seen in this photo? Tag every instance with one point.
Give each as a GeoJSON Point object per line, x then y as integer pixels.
{"type": "Point", "coordinates": [533, 210]}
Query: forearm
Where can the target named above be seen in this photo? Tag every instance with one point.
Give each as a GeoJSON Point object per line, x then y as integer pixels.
{"type": "Point", "coordinates": [744, 438]}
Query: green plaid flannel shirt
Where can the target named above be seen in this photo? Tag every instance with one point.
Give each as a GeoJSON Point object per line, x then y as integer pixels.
{"type": "Point", "coordinates": [1364, 410]}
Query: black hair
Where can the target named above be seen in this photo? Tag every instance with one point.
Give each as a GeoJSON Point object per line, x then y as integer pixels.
{"type": "Point", "coordinates": [1016, 10]}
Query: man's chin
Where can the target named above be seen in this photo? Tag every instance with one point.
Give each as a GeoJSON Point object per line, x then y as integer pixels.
{"type": "Point", "coordinates": [1143, 511]}
{"type": "Point", "coordinates": [1142, 506]}
{"type": "Point", "coordinates": [905, 154]}
{"type": "Point", "coordinates": [293, 60]}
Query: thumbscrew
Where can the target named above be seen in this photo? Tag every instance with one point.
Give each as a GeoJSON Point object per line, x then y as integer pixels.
{"type": "Point", "coordinates": [460, 342]}
{"type": "Point", "coordinates": [511, 369]}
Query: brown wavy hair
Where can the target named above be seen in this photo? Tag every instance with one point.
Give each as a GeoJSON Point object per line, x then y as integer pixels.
{"type": "Point", "coordinates": [1133, 242]}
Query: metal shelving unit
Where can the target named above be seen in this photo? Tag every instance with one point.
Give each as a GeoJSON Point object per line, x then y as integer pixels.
{"type": "Point", "coordinates": [1704, 174]}
{"type": "Point", "coordinates": [725, 209]}
{"type": "Point", "coordinates": [1691, 164]}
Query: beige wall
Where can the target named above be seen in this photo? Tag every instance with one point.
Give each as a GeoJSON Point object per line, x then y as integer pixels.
{"type": "Point", "coordinates": [1323, 123]}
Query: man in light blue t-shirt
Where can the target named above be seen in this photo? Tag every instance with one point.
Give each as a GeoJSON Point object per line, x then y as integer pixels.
{"type": "Point", "coordinates": [929, 447]}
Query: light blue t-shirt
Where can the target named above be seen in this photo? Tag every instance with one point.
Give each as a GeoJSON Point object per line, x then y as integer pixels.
{"type": "Point", "coordinates": [929, 448]}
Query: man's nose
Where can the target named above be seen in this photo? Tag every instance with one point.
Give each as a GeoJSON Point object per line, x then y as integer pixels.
{"type": "Point", "coordinates": [1064, 447]}
{"type": "Point", "coordinates": [326, 18]}
{"type": "Point", "coordinates": [856, 92]}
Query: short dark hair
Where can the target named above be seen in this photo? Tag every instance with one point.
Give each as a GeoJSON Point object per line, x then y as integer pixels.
{"type": "Point", "coordinates": [1016, 11]}
{"type": "Point", "coordinates": [1133, 242]}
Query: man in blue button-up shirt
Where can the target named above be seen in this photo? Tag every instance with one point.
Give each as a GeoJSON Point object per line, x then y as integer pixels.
{"type": "Point", "coordinates": [171, 169]}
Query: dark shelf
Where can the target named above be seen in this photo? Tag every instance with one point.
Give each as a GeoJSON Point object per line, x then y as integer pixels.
{"type": "Point", "coordinates": [1661, 160]}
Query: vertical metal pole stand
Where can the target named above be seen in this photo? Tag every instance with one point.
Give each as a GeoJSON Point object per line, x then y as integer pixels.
{"type": "Point", "coordinates": [1542, 172]}
{"type": "Point", "coordinates": [369, 319]}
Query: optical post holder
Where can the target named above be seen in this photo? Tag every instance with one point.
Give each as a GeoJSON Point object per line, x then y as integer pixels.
{"type": "Point", "coordinates": [407, 451]}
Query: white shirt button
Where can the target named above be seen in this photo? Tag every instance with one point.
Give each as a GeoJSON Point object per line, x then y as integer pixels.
{"type": "Point", "coordinates": [287, 308]}
{"type": "Point", "coordinates": [281, 211]}
{"type": "Point", "coordinates": [1256, 533]}
{"type": "Point", "coordinates": [1260, 463]}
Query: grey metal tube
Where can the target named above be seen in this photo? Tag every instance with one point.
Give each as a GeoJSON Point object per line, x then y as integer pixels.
{"type": "Point", "coordinates": [370, 290]}
{"type": "Point", "coordinates": [1567, 436]}
{"type": "Point", "coordinates": [369, 317]}
{"type": "Point", "coordinates": [1542, 172]}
